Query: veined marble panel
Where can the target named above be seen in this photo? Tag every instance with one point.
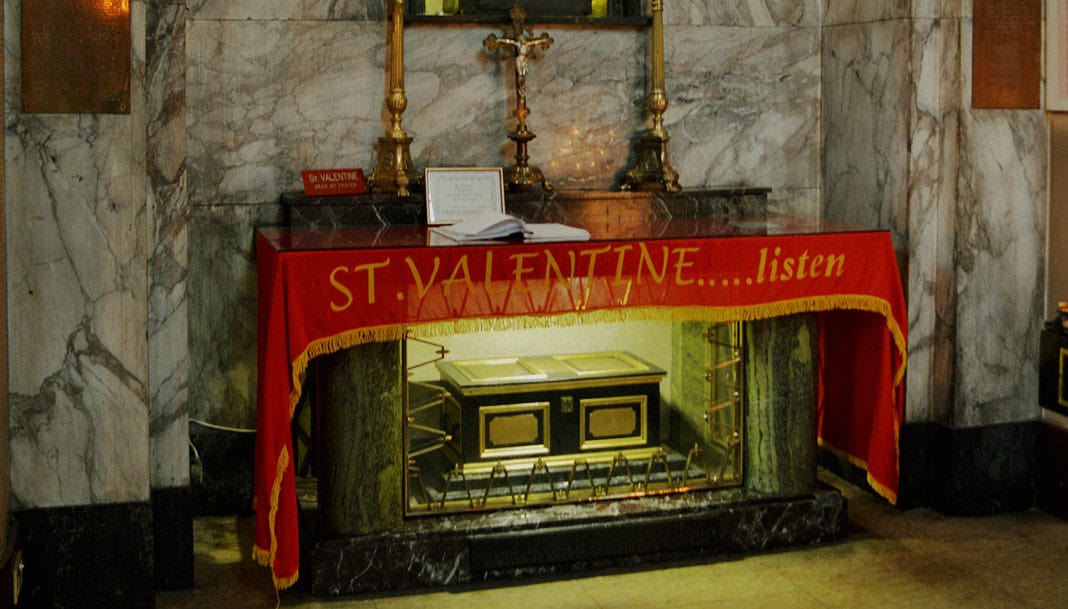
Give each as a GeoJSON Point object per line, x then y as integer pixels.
{"type": "Point", "coordinates": [753, 13]}
{"type": "Point", "coordinates": [269, 98]}
{"type": "Point", "coordinates": [932, 201]}
{"type": "Point", "coordinates": [941, 9]}
{"type": "Point", "coordinates": [865, 125]}
{"type": "Point", "coordinates": [344, 10]}
{"type": "Point", "coordinates": [798, 202]}
{"type": "Point", "coordinates": [247, 9]}
{"type": "Point", "coordinates": [839, 12]}
{"type": "Point", "coordinates": [584, 95]}
{"type": "Point", "coordinates": [77, 293]}
{"type": "Point", "coordinates": [1000, 245]}
{"type": "Point", "coordinates": [1001, 227]}
{"type": "Point", "coordinates": [168, 314]}
{"type": "Point", "coordinates": [222, 311]}
{"type": "Point", "coordinates": [744, 106]}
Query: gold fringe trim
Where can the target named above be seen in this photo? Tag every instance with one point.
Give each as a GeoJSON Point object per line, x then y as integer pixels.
{"type": "Point", "coordinates": [714, 314]}
{"type": "Point", "coordinates": [884, 491]}
{"type": "Point", "coordinates": [281, 583]}
{"type": "Point", "coordinates": [810, 304]}
{"type": "Point", "coordinates": [266, 556]}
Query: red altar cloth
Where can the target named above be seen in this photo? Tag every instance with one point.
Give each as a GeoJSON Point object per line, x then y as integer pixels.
{"type": "Point", "coordinates": [322, 291]}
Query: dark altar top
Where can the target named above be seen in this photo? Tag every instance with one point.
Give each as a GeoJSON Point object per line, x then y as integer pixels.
{"type": "Point", "coordinates": [289, 239]}
{"type": "Point", "coordinates": [322, 290]}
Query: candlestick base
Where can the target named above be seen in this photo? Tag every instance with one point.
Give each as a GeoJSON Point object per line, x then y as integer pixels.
{"type": "Point", "coordinates": [521, 176]}
{"type": "Point", "coordinates": [652, 171]}
{"type": "Point", "coordinates": [394, 172]}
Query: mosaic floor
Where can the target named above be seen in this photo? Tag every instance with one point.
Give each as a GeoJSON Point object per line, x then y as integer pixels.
{"type": "Point", "coordinates": [917, 559]}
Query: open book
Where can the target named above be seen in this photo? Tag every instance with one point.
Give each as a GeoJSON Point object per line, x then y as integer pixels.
{"type": "Point", "coordinates": [491, 225]}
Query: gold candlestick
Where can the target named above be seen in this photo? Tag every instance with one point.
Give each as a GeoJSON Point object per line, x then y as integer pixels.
{"type": "Point", "coordinates": [521, 44]}
{"type": "Point", "coordinates": [394, 171]}
{"type": "Point", "coordinates": [652, 171]}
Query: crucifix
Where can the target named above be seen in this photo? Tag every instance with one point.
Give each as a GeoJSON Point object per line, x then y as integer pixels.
{"type": "Point", "coordinates": [521, 44]}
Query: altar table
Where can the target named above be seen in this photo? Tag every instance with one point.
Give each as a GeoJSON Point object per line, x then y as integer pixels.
{"type": "Point", "coordinates": [321, 291]}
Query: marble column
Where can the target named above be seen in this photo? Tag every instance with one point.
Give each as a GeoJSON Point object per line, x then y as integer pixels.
{"type": "Point", "coordinates": [780, 419]}
{"type": "Point", "coordinates": [361, 462]}
{"type": "Point", "coordinates": [168, 313]}
{"type": "Point", "coordinates": [78, 300]}
{"type": "Point", "coordinates": [76, 191]}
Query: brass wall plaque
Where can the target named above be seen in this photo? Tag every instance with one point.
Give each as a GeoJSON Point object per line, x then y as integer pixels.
{"type": "Point", "coordinates": [76, 56]}
{"type": "Point", "coordinates": [1007, 54]}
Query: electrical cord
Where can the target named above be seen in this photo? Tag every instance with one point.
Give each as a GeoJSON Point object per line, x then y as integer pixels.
{"type": "Point", "coordinates": [221, 427]}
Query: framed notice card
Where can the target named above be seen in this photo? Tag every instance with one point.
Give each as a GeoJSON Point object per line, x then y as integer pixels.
{"type": "Point", "coordinates": [453, 194]}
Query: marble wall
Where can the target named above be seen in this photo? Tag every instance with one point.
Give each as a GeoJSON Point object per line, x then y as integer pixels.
{"type": "Point", "coordinates": [999, 256]}
{"type": "Point", "coordinates": [131, 271]}
{"type": "Point", "coordinates": [168, 311]}
{"type": "Point", "coordinates": [97, 257]}
{"type": "Point", "coordinates": [962, 190]}
{"type": "Point", "coordinates": [77, 258]}
{"type": "Point", "coordinates": [286, 86]}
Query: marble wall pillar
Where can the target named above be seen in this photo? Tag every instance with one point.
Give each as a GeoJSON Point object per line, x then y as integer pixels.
{"type": "Point", "coordinates": [78, 283]}
{"type": "Point", "coordinates": [77, 234]}
{"type": "Point", "coordinates": [999, 251]}
{"type": "Point", "coordinates": [168, 315]}
{"type": "Point", "coordinates": [361, 459]}
{"type": "Point", "coordinates": [5, 459]}
{"type": "Point", "coordinates": [781, 367]}
{"type": "Point", "coordinates": [168, 312]}
{"type": "Point", "coordinates": [963, 192]}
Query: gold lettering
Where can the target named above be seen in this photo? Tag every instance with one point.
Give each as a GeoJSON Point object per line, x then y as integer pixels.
{"type": "Point", "coordinates": [464, 273]}
{"type": "Point", "coordinates": [592, 266]}
{"type": "Point", "coordinates": [803, 267]}
{"type": "Point", "coordinates": [337, 308]}
{"type": "Point", "coordinates": [422, 288]}
{"type": "Point", "coordinates": [832, 261]}
{"type": "Point", "coordinates": [814, 270]}
{"type": "Point", "coordinates": [681, 263]}
{"type": "Point", "coordinates": [644, 258]}
{"type": "Point", "coordinates": [787, 269]}
{"type": "Point", "coordinates": [519, 270]}
{"type": "Point", "coordinates": [370, 267]}
{"type": "Point", "coordinates": [551, 267]}
{"type": "Point", "coordinates": [621, 252]}
{"type": "Point", "coordinates": [489, 275]}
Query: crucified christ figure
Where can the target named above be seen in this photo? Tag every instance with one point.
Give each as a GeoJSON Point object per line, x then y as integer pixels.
{"type": "Point", "coordinates": [520, 44]}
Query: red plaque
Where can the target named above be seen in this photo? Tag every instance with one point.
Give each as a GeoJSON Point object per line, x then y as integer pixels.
{"type": "Point", "coordinates": [1007, 54]}
{"type": "Point", "coordinates": [330, 182]}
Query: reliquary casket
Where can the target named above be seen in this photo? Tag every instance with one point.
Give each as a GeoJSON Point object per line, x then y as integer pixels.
{"type": "Point", "coordinates": [532, 407]}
